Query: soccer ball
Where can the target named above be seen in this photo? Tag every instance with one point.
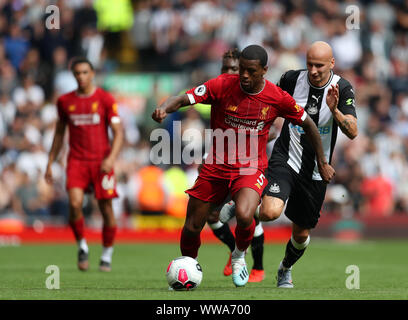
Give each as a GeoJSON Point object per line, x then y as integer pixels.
{"type": "Point", "coordinates": [184, 273]}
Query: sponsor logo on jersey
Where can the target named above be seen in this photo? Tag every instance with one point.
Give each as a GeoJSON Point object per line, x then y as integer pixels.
{"type": "Point", "coordinates": [71, 108]}
{"type": "Point", "coordinates": [274, 188]}
{"type": "Point", "coordinates": [232, 108]}
{"type": "Point", "coordinates": [350, 102]}
{"type": "Point", "coordinates": [246, 124]}
{"type": "Point", "coordinates": [322, 130]}
{"type": "Point", "coordinates": [95, 106]}
{"type": "Point", "coordinates": [264, 112]}
{"type": "Point", "coordinates": [85, 119]}
{"type": "Point", "coordinates": [200, 90]}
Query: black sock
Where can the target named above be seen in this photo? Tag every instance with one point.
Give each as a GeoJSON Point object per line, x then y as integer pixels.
{"type": "Point", "coordinates": [257, 248]}
{"type": "Point", "coordinates": [225, 235]}
{"type": "Point", "coordinates": [291, 255]}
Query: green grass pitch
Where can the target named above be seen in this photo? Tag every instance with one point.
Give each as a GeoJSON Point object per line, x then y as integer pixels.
{"type": "Point", "coordinates": [139, 273]}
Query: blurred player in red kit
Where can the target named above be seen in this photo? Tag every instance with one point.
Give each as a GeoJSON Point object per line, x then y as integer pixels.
{"type": "Point", "coordinates": [244, 106]}
{"type": "Point", "coordinates": [88, 112]}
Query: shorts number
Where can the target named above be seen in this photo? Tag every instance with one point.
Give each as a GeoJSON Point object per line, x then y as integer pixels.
{"type": "Point", "coordinates": [261, 179]}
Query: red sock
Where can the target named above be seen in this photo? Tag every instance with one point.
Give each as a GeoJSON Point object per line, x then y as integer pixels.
{"type": "Point", "coordinates": [243, 236]}
{"type": "Point", "coordinates": [189, 244]}
{"type": "Point", "coordinates": [108, 235]}
{"type": "Point", "coordinates": [78, 228]}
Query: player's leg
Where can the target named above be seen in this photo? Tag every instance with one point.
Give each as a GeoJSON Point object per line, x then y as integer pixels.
{"type": "Point", "coordinates": [197, 214]}
{"type": "Point", "coordinates": [108, 233]}
{"type": "Point", "coordinates": [257, 248]}
{"type": "Point", "coordinates": [295, 248]}
{"type": "Point", "coordinates": [76, 222]}
{"type": "Point", "coordinates": [223, 232]}
{"type": "Point", "coordinates": [303, 209]}
{"type": "Point", "coordinates": [246, 200]}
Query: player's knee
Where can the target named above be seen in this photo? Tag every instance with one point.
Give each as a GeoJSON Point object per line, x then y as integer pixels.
{"type": "Point", "coordinates": [213, 217]}
{"type": "Point", "coordinates": [244, 216]}
{"type": "Point", "coordinates": [270, 210]}
{"type": "Point", "coordinates": [75, 206]}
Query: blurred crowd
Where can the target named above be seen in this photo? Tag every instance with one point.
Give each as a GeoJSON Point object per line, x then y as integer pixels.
{"type": "Point", "coordinates": [190, 37]}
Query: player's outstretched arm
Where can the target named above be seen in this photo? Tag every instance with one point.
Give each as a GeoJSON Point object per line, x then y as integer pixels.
{"type": "Point", "coordinates": [346, 122]}
{"type": "Point", "coordinates": [118, 136]}
{"type": "Point", "coordinates": [171, 105]}
{"type": "Point", "coordinates": [55, 148]}
{"type": "Point", "coordinates": [325, 169]}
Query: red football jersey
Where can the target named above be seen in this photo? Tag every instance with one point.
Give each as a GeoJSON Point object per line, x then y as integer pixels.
{"type": "Point", "coordinates": [247, 115]}
{"type": "Point", "coordinates": [88, 119]}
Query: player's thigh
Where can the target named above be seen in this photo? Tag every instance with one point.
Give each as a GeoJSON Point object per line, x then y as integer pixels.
{"type": "Point", "coordinates": [246, 200]}
{"type": "Point", "coordinates": [78, 174]}
{"type": "Point", "coordinates": [197, 214]}
{"type": "Point", "coordinates": [214, 215]}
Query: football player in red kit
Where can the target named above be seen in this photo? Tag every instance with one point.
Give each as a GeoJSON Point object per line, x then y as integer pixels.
{"type": "Point", "coordinates": [243, 107]}
{"type": "Point", "coordinates": [88, 112]}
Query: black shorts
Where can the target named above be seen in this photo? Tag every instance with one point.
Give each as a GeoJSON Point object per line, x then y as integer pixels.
{"type": "Point", "coordinates": [305, 196]}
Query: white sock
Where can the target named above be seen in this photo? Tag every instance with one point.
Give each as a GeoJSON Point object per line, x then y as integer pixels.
{"type": "Point", "coordinates": [107, 254]}
{"type": "Point", "coordinates": [300, 246]}
{"type": "Point", "coordinates": [237, 254]}
{"type": "Point", "coordinates": [83, 245]}
{"type": "Point", "coordinates": [258, 229]}
{"type": "Point", "coordinates": [216, 225]}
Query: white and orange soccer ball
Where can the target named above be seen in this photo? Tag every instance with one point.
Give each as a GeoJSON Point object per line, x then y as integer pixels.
{"type": "Point", "coordinates": [184, 273]}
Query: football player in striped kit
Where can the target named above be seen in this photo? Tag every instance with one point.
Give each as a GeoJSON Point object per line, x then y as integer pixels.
{"type": "Point", "coordinates": [293, 178]}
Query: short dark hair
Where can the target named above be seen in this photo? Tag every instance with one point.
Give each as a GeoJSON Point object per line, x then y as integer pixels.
{"type": "Point", "coordinates": [77, 60]}
{"type": "Point", "coordinates": [232, 54]}
{"type": "Point", "coordinates": [255, 52]}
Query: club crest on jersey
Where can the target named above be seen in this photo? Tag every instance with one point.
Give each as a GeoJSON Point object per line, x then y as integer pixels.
{"type": "Point", "coordinates": [71, 108]}
{"type": "Point", "coordinates": [312, 109]}
{"type": "Point", "coordinates": [264, 112]}
{"type": "Point", "coordinates": [200, 90]}
{"type": "Point", "coordinates": [274, 188]}
{"type": "Point", "coordinates": [297, 107]}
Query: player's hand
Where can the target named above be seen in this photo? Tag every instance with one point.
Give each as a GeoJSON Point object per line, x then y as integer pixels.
{"type": "Point", "coordinates": [332, 98]}
{"type": "Point", "coordinates": [107, 165]}
{"type": "Point", "coordinates": [327, 172]}
{"type": "Point", "coordinates": [48, 175]}
{"type": "Point", "coordinates": [159, 115]}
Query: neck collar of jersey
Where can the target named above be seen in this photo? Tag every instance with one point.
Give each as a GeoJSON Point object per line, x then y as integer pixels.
{"type": "Point", "coordinates": [323, 86]}
{"type": "Point", "coordinates": [254, 94]}
{"type": "Point", "coordinates": [79, 95]}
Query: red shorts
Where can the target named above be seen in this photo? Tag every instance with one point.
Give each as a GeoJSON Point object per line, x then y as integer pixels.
{"type": "Point", "coordinates": [87, 175]}
{"type": "Point", "coordinates": [215, 189]}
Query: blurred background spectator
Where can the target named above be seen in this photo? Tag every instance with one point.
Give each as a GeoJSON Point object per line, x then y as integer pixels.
{"type": "Point", "coordinates": [145, 50]}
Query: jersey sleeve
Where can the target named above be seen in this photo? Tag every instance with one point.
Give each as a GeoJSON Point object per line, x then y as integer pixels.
{"type": "Point", "coordinates": [207, 92]}
{"type": "Point", "coordinates": [111, 108]}
{"type": "Point", "coordinates": [346, 98]}
{"type": "Point", "coordinates": [290, 110]}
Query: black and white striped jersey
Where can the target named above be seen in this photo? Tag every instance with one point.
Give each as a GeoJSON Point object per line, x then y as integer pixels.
{"type": "Point", "coordinates": [292, 146]}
